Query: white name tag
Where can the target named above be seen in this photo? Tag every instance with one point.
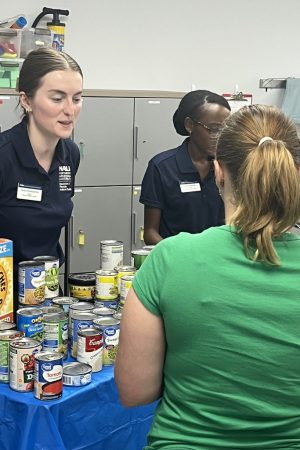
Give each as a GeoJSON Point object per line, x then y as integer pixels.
{"type": "Point", "coordinates": [32, 193]}
{"type": "Point", "coordinates": [189, 187]}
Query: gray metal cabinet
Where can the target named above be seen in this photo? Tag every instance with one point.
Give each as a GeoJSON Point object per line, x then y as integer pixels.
{"type": "Point", "coordinates": [153, 131]}
{"type": "Point", "coordinates": [137, 221]}
{"type": "Point", "coordinates": [10, 115]}
{"type": "Point", "coordinates": [105, 139]}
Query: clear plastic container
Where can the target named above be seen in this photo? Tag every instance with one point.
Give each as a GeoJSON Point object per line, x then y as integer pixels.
{"type": "Point", "coordinates": [10, 43]}
{"type": "Point", "coordinates": [34, 38]}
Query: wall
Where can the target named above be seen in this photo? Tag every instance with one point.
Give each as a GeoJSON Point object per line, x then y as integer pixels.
{"type": "Point", "coordinates": [177, 45]}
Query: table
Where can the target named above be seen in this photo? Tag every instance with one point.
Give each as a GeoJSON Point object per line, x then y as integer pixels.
{"type": "Point", "coordinates": [85, 418]}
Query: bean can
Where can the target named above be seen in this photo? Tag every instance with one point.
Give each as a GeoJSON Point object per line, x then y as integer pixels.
{"type": "Point", "coordinates": [5, 337]}
{"type": "Point", "coordinates": [110, 328]}
{"type": "Point", "coordinates": [106, 284]}
{"type": "Point", "coordinates": [48, 372]}
{"type": "Point", "coordinates": [56, 333]}
{"type": "Point", "coordinates": [111, 254]}
{"type": "Point", "coordinates": [21, 363]}
{"type": "Point", "coordinates": [90, 347]}
{"type": "Point", "coordinates": [51, 275]}
{"type": "Point", "coordinates": [31, 282]}
{"type": "Point", "coordinates": [30, 320]}
{"type": "Point", "coordinates": [77, 374]}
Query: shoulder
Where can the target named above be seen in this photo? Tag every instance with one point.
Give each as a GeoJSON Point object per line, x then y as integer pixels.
{"type": "Point", "coordinates": [7, 135]}
{"type": "Point", "coordinates": [165, 157]}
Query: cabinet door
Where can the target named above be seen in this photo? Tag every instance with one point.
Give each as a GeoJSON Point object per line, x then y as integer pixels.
{"type": "Point", "coordinates": [104, 134]}
{"type": "Point", "coordinates": [137, 231]}
{"type": "Point", "coordinates": [153, 131]}
{"type": "Point", "coordinates": [10, 115]}
{"type": "Point", "coordinates": [99, 213]}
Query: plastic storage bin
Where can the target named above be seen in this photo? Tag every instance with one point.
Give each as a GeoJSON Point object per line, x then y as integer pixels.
{"type": "Point", "coordinates": [34, 38]}
{"type": "Point", "coordinates": [10, 43]}
{"type": "Point", "coordinates": [9, 74]}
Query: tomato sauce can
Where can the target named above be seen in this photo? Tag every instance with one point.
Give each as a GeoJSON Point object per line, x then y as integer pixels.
{"type": "Point", "coordinates": [82, 286]}
{"type": "Point", "coordinates": [111, 254]}
{"type": "Point", "coordinates": [51, 275]}
{"type": "Point", "coordinates": [77, 374]}
{"type": "Point", "coordinates": [31, 282]}
{"type": "Point", "coordinates": [48, 372]}
{"type": "Point", "coordinates": [21, 363]}
{"type": "Point", "coordinates": [56, 333]}
{"type": "Point", "coordinates": [90, 347]}
{"type": "Point", "coordinates": [79, 321]}
{"type": "Point", "coordinates": [110, 328]}
{"type": "Point", "coordinates": [106, 284]}
{"type": "Point", "coordinates": [30, 320]}
{"type": "Point", "coordinates": [5, 337]}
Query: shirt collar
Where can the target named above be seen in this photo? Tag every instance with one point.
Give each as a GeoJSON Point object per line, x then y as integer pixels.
{"type": "Point", "coordinates": [185, 163]}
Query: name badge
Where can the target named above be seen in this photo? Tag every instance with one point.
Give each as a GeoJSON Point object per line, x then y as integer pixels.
{"type": "Point", "coordinates": [186, 186]}
{"type": "Point", "coordinates": [32, 193]}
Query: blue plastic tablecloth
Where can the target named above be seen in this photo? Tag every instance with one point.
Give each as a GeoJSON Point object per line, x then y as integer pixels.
{"type": "Point", "coordinates": [85, 418]}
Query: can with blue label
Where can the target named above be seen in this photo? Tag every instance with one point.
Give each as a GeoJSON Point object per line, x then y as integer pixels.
{"type": "Point", "coordinates": [48, 373]}
{"type": "Point", "coordinates": [113, 304]}
{"type": "Point", "coordinates": [110, 328]}
{"type": "Point", "coordinates": [31, 282]}
{"type": "Point", "coordinates": [79, 321]}
{"type": "Point", "coordinates": [30, 320]}
{"type": "Point", "coordinates": [56, 332]}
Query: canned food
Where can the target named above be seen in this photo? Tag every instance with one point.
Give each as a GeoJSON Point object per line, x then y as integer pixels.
{"type": "Point", "coordinates": [90, 347]}
{"type": "Point", "coordinates": [106, 284]}
{"type": "Point", "coordinates": [65, 303]}
{"type": "Point", "coordinates": [113, 304]}
{"type": "Point", "coordinates": [78, 307]}
{"type": "Point", "coordinates": [51, 275]}
{"type": "Point", "coordinates": [103, 311]}
{"type": "Point", "coordinates": [21, 363]}
{"type": "Point", "coordinates": [122, 271]}
{"type": "Point", "coordinates": [48, 371]}
{"type": "Point", "coordinates": [82, 285]}
{"type": "Point", "coordinates": [111, 254]}
{"type": "Point", "coordinates": [31, 282]}
{"type": "Point", "coordinates": [110, 328]}
{"type": "Point", "coordinates": [5, 337]}
{"type": "Point", "coordinates": [79, 321]}
{"type": "Point", "coordinates": [77, 374]}
{"type": "Point", "coordinates": [118, 315]}
{"type": "Point", "coordinates": [138, 257]}
{"type": "Point", "coordinates": [56, 333]}
{"type": "Point", "coordinates": [126, 283]}
{"type": "Point", "coordinates": [7, 326]}
{"type": "Point", "coordinates": [30, 320]}
{"type": "Point", "coordinates": [50, 309]}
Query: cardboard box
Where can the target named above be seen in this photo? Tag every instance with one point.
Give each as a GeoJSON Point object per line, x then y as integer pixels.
{"type": "Point", "coordinates": [6, 280]}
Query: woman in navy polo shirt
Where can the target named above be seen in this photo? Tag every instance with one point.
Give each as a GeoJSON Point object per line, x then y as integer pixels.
{"type": "Point", "coordinates": [178, 189]}
{"type": "Point", "coordinates": [38, 161]}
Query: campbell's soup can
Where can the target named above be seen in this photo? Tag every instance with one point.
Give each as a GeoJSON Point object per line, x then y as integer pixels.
{"type": "Point", "coordinates": [79, 321]}
{"type": "Point", "coordinates": [111, 254]}
{"type": "Point", "coordinates": [106, 284]}
{"type": "Point", "coordinates": [90, 347]}
{"type": "Point", "coordinates": [48, 373]}
{"type": "Point", "coordinates": [51, 275]}
{"type": "Point", "coordinates": [30, 320]}
{"type": "Point", "coordinates": [123, 271]}
{"type": "Point", "coordinates": [31, 282]}
{"type": "Point", "coordinates": [5, 337]}
{"type": "Point", "coordinates": [82, 286]}
{"type": "Point", "coordinates": [21, 363]}
{"type": "Point", "coordinates": [110, 328]}
{"type": "Point", "coordinates": [56, 333]}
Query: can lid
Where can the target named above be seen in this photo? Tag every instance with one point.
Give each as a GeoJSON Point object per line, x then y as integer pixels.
{"type": "Point", "coordinates": [48, 355]}
{"type": "Point", "coordinates": [105, 321]}
{"type": "Point", "coordinates": [111, 242]}
{"type": "Point", "coordinates": [76, 368]}
{"type": "Point", "coordinates": [141, 251]}
{"type": "Point", "coordinates": [125, 269]}
{"type": "Point", "coordinates": [82, 279]}
{"type": "Point", "coordinates": [55, 316]}
{"type": "Point", "coordinates": [91, 331]}
{"type": "Point", "coordinates": [64, 300]}
{"type": "Point", "coordinates": [45, 258]}
{"type": "Point", "coordinates": [31, 263]}
{"type": "Point", "coordinates": [30, 311]}
{"type": "Point", "coordinates": [10, 334]}
{"type": "Point", "coordinates": [7, 326]}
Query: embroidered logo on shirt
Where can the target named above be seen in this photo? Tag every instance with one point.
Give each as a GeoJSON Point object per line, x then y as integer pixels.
{"type": "Point", "coordinates": [65, 178]}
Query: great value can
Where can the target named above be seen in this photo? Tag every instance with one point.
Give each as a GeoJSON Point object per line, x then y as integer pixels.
{"type": "Point", "coordinates": [31, 282]}
{"type": "Point", "coordinates": [113, 304]}
{"type": "Point", "coordinates": [111, 254]}
{"type": "Point", "coordinates": [121, 272]}
{"type": "Point", "coordinates": [21, 363]}
{"type": "Point", "coordinates": [90, 347]}
{"type": "Point", "coordinates": [82, 286]}
{"type": "Point", "coordinates": [110, 328]}
{"type": "Point", "coordinates": [51, 275]}
{"type": "Point", "coordinates": [48, 372]}
{"type": "Point", "coordinates": [5, 337]}
{"type": "Point", "coordinates": [56, 333]}
{"type": "Point", "coordinates": [65, 303]}
{"type": "Point", "coordinates": [79, 321]}
{"type": "Point", "coordinates": [103, 311]}
{"type": "Point", "coordinates": [106, 284]}
{"type": "Point", "coordinates": [77, 374]}
{"type": "Point", "coordinates": [30, 320]}
{"type": "Point", "coordinates": [78, 307]}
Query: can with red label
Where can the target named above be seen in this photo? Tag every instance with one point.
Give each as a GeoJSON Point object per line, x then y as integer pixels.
{"type": "Point", "coordinates": [48, 372]}
{"type": "Point", "coordinates": [21, 363]}
{"type": "Point", "coordinates": [90, 347]}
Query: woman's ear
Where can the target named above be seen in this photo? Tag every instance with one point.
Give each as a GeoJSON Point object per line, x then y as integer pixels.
{"type": "Point", "coordinates": [24, 101]}
{"type": "Point", "coordinates": [188, 124]}
{"type": "Point", "coordinates": [219, 174]}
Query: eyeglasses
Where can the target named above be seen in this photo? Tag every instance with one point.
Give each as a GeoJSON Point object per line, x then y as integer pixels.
{"type": "Point", "coordinates": [211, 130]}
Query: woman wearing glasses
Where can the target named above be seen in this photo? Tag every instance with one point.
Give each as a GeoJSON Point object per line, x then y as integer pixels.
{"type": "Point", "coordinates": [178, 188]}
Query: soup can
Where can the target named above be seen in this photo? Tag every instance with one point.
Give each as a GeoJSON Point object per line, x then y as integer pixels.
{"type": "Point", "coordinates": [82, 286]}
{"type": "Point", "coordinates": [5, 337]}
{"type": "Point", "coordinates": [31, 282]}
{"type": "Point", "coordinates": [79, 321]}
{"type": "Point", "coordinates": [106, 284]}
{"type": "Point", "coordinates": [64, 303]}
{"type": "Point", "coordinates": [30, 320]}
{"type": "Point", "coordinates": [111, 254]}
{"type": "Point", "coordinates": [110, 328]}
{"type": "Point", "coordinates": [56, 333]}
{"type": "Point", "coordinates": [48, 372]}
{"type": "Point", "coordinates": [121, 272]}
{"type": "Point", "coordinates": [51, 275]}
{"type": "Point", "coordinates": [21, 363]}
{"type": "Point", "coordinates": [90, 347]}
{"type": "Point", "coordinates": [138, 257]}
{"type": "Point", "coordinates": [77, 374]}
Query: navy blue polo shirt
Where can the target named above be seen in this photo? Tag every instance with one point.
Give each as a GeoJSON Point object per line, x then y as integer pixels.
{"type": "Point", "coordinates": [35, 226]}
{"type": "Point", "coordinates": [173, 184]}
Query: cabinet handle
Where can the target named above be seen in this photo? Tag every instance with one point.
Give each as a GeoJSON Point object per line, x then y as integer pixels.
{"type": "Point", "coordinates": [135, 141]}
{"type": "Point", "coordinates": [72, 231]}
{"type": "Point", "coordinates": [133, 237]}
